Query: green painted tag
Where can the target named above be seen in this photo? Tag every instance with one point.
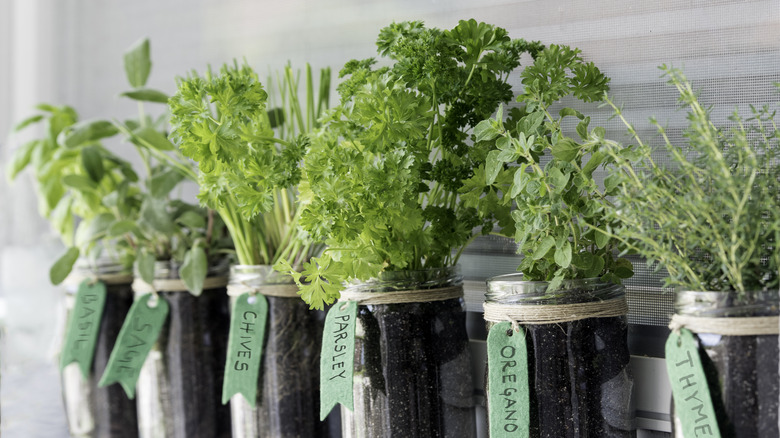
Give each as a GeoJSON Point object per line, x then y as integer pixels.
{"type": "Point", "coordinates": [245, 347]}
{"type": "Point", "coordinates": [692, 401]}
{"type": "Point", "coordinates": [337, 357]}
{"type": "Point", "coordinates": [83, 326]}
{"type": "Point", "coordinates": [508, 382]}
{"type": "Point", "coordinates": [136, 338]}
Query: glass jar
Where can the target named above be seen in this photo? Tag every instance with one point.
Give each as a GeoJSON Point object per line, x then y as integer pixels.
{"type": "Point", "coordinates": [580, 382]}
{"type": "Point", "coordinates": [179, 389]}
{"type": "Point", "coordinates": [288, 399]}
{"type": "Point", "coordinates": [412, 370]}
{"type": "Point", "coordinates": [93, 411]}
{"type": "Point", "coordinates": [742, 371]}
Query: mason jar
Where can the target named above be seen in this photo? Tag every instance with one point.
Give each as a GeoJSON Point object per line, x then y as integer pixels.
{"type": "Point", "coordinates": [580, 382]}
{"type": "Point", "coordinates": [412, 366]}
{"type": "Point", "coordinates": [92, 411]}
{"type": "Point", "coordinates": [179, 389]}
{"type": "Point", "coordinates": [288, 395]}
{"type": "Point", "coordinates": [741, 370]}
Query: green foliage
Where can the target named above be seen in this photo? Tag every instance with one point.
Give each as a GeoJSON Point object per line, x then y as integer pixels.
{"type": "Point", "coordinates": [712, 218]}
{"type": "Point", "coordinates": [83, 187]}
{"type": "Point", "coordinates": [95, 199]}
{"type": "Point", "coordinates": [248, 170]}
{"type": "Point", "coordinates": [561, 216]}
{"type": "Point", "coordinates": [384, 173]}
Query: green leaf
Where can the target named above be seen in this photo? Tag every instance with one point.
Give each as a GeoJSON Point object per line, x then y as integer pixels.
{"type": "Point", "coordinates": [92, 161]}
{"type": "Point", "coordinates": [138, 63]}
{"type": "Point", "coordinates": [582, 128]}
{"type": "Point", "coordinates": [151, 138]}
{"type": "Point", "coordinates": [520, 180]}
{"type": "Point", "coordinates": [27, 122]}
{"type": "Point", "coordinates": [485, 131]}
{"type": "Point", "coordinates": [144, 265]}
{"type": "Point", "coordinates": [556, 281]}
{"type": "Point", "coordinates": [543, 248]}
{"type": "Point", "coordinates": [21, 158]}
{"type": "Point", "coordinates": [493, 165]}
{"type": "Point", "coordinates": [623, 272]}
{"type": "Point", "coordinates": [558, 178]}
{"type": "Point", "coordinates": [571, 112]}
{"type": "Point", "coordinates": [192, 220]}
{"type": "Point", "coordinates": [194, 269]}
{"type": "Point", "coordinates": [163, 183]}
{"type": "Point", "coordinates": [93, 229]}
{"type": "Point", "coordinates": [595, 161]}
{"type": "Point", "coordinates": [122, 227]}
{"type": "Point", "coordinates": [600, 238]}
{"type": "Point", "coordinates": [566, 149]}
{"type": "Point", "coordinates": [62, 267]}
{"type": "Point", "coordinates": [146, 95]}
{"type": "Point", "coordinates": [79, 182]}
{"type": "Point", "coordinates": [87, 132]}
{"type": "Point", "coordinates": [596, 268]}
{"type": "Point", "coordinates": [563, 255]}
{"type": "Point", "coordinates": [154, 213]}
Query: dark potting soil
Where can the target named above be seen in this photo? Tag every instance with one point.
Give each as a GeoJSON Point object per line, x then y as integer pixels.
{"type": "Point", "coordinates": [288, 387]}
{"type": "Point", "coordinates": [113, 412]}
{"type": "Point", "coordinates": [580, 379]}
{"type": "Point", "coordinates": [194, 345]}
{"type": "Point", "coordinates": [413, 372]}
{"type": "Point", "coordinates": [742, 374]}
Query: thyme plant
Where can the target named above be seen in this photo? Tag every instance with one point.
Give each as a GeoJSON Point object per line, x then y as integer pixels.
{"type": "Point", "coordinates": [712, 217]}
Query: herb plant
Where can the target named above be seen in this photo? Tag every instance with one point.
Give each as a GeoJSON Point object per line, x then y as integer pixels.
{"type": "Point", "coordinates": [136, 221]}
{"type": "Point", "coordinates": [561, 212]}
{"type": "Point", "coordinates": [248, 172]}
{"type": "Point", "coordinates": [84, 189]}
{"type": "Point", "coordinates": [711, 218]}
{"type": "Point", "coordinates": [384, 173]}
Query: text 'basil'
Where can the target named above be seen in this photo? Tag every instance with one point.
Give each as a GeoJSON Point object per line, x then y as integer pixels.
{"type": "Point", "coordinates": [245, 347]}
{"type": "Point", "coordinates": [138, 334]}
{"type": "Point", "coordinates": [83, 326]}
{"type": "Point", "coordinates": [337, 357]}
{"type": "Point", "coordinates": [692, 401]}
{"type": "Point", "coordinates": [508, 382]}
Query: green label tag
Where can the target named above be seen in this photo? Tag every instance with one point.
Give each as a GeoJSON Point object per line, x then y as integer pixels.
{"type": "Point", "coordinates": [136, 338]}
{"type": "Point", "coordinates": [245, 347]}
{"type": "Point", "coordinates": [83, 326]}
{"type": "Point", "coordinates": [507, 382]}
{"type": "Point", "coordinates": [692, 401]}
{"type": "Point", "coordinates": [337, 357]}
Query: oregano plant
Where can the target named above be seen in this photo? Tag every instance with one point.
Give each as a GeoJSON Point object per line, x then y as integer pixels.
{"type": "Point", "coordinates": [384, 173]}
{"type": "Point", "coordinates": [561, 214]}
{"type": "Point", "coordinates": [711, 216]}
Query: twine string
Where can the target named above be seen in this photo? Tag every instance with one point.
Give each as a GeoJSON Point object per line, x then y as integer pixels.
{"type": "Point", "coordinates": [747, 326]}
{"type": "Point", "coordinates": [271, 290]}
{"type": "Point", "coordinates": [554, 313]}
{"type": "Point", "coordinates": [174, 285]}
{"type": "Point", "coordinates": [75, 279]}
{"type": "Point", "coordinates": [403, 296]}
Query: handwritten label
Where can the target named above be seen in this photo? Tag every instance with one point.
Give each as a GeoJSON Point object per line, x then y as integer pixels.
{"type": "Point", "coordinates": [83, 326]}
{"type": "Point", "coordinates": [692, 401]}
{"type": "Point", "coordinates": [136, 338]}
{"type": "Point", "coordinates": [337, 357]}
{"type": "Point", "coordinates": [245, 347]}
{"type": "Point", "coordinates": [507, 382]}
